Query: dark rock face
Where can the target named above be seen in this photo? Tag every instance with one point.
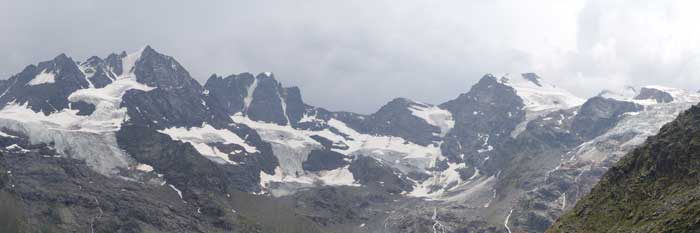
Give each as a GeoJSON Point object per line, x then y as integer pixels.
{"type": "Point", "coordinates": [484, 118]}
{"type": "Point", "coordinates": [553, 130]}
{"type": "Point", "coordinates": [324, 160]}
{"type": "Point", "coordinates": [163, 72]}
{"type": "Point", "coordinates": [599, 114]}
{"type": "Point", "coordinates": [654, 94]}
{"type": "Point", "coordinates": [45, 87]}
{"type": "Point", "coordinates": [182, 165]}
{"type": "Point", "coordinates": [294, 105]}
{"type": "Point", "coordinates": [177, 100]}
{"type": "Point", "coordinates": [396, 119]}
{"type": "Point", "coordinates": [230, 91]}
{"type": "Point", "coordinates": [160, 108]}
{"type": "Point", "coordinates": [98, 72]}
{"type": "Point", "coordinates": [268, 102]}
{"type": "Point", "coordinates": [652, 189]}
{"type": "Point", "coordinates": [369, 171]}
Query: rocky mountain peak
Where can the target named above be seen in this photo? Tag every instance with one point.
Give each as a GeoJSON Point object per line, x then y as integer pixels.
{"type": "Point", "coordinates": [532, 77]}
{"type": "Point", "coordinates": [62, 59]}
{"type": "Point", "coordinates": [44, 87]}
{"type": "Point", "coordinates": [402, 101]}
{"type": "Point", "coordinates": [159, 70]}
{"type": "Point", "coordinates": [259, 97]}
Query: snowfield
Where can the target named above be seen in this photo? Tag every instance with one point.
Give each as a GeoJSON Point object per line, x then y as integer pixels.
{"type": "Point", "coordinates": [435, 116]}
{"type": "Point", "coordinates": [538, 95]}
{"type": "Point", "coordinates": [203, 137]}
{"type": "Point", "coordinates": [291, 147]}
{"type": "Point", "coordinates": [45, 77]}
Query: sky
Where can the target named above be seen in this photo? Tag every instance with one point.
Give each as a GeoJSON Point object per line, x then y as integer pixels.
{"type": "Point", "coordinates": [358, 55]}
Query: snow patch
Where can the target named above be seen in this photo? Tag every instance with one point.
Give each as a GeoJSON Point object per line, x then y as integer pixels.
{"type": "Point", "coordinates": [338, 177]}
{"type": "Point", "coordinates": [15, 147]}
{"type": "Point", "coordinates": [291, 147]}
{"type": "Point", "coordinates": [108, 114]}
{"type": "Point", "coordinates": [3, 134]}
{"type": "Point", "coordinates": [540, 96]}
{"type": "Point", "coordinates": [45, 77]}
{"type": "Point", "coordinates": [179, 193]}
{"type": "Point", "coordinates": [144, 167]}
{"type": "Point", "coordinates": [249, 94]}
{"type": "Point", "coordinates": [625, 94]}
{"type": "Point", "coordinates": [203, 137]}
{"type": "Point", "coordinates": [434, 115]}
{"type": "Point", "coordinates": [129, 62]}
{"type": "Point", "coordinates": [505, 223]}
{"type": "Point", "coordinates": [434, 187]}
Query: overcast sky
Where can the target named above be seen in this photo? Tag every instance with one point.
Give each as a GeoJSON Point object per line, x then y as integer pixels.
{"type": "Point", "coordinates": [357, 55]}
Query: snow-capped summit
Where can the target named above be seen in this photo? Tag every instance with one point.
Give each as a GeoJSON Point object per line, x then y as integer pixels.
{"type": "Point", "coordinates": [433, 115]}
{"type": "Point", "coordinates": [651, 94]}
{"type": "Point", "coordinates": [626, 93]}
{"type": "Point", "coordinates": [539, 95]}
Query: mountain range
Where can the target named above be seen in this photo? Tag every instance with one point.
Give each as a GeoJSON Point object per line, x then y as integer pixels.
{"type": "Point", "coordinates": [132, 143]}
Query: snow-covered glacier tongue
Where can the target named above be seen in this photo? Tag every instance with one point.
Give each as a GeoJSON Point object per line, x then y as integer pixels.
{"type": "Point", "coordinates": [86, 135]}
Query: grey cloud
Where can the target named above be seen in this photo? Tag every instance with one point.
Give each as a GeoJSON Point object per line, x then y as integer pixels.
{"type": "Point", "coordinates": [356, 55]}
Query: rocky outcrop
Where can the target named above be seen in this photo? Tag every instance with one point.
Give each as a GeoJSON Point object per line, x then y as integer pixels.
{"type": "Point", "coordinates": [654, 94]}
{"type": "Point", "coordinates": [368, 171]}
{"type": "Point", "coordinates": [599, 114]}
{"type": "Point", "coordinates": [324, 160]}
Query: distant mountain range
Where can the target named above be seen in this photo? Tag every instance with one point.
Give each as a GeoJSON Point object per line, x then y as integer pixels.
{"type": "Point", "coordinates": [132, 143]}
